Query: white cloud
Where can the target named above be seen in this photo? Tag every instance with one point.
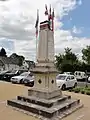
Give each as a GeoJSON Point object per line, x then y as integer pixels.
{"type": "Point", "coordinates": [17, 21]}
{"type": "Point", "coordinates": [76, 30]}
{"type": "Point", "coordinates": [7, 42]}
{"type": "Point", "coordinates": [75, 43]}
{"type": "Point", "coordinates": [16, 17]}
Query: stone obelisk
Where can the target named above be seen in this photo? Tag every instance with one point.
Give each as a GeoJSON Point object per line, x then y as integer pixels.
{"type": "Point", "coordinates": [45, 100]}
{"type": "Point", "coordinates": [45, 71]}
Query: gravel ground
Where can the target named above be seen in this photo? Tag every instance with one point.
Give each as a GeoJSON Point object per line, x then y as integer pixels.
{"type": "Point", "coordinates": [10, 91]}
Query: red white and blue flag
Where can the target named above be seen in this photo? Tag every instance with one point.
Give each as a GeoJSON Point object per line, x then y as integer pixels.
{"type": "Point", "coordinates": [50, 17]}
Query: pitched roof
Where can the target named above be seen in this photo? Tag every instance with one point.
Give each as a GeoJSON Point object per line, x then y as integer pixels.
{"type": "Point", "coordinates": [8, 60]}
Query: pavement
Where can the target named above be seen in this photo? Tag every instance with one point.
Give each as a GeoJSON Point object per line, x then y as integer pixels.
{"type": "Point", "coordinates": [83, 113]}
{"type": "Point", "coordinates": [10, 91]}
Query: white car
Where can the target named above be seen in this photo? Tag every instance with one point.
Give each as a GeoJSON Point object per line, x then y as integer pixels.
{"type": "Point", "coordinates": [80, 76]}
{"type": "Point", "coordinates": [68, 73]}
{"type": "Point", "coordinates": [19, 79]}
{"type": "Point", "coordinates": [88, 79]}
{"type": "Point", "coordinates": [66, 81]}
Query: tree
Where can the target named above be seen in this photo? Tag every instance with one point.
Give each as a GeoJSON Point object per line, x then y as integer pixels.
{"type": "Point", "coordinates": [14, 55]}
{"type": "Point", "coordinates": [3, 52]}
{"type": "Point", "coordinates": [70, 57]}
{"type": "Point", "coordinates": [65, 62]}
{"type": "Point", "coordinates": [19, 58]}
{"type": "Point", "coordinates": [86, 54]}
{"type": "Point", "coordinates": [59, 61]}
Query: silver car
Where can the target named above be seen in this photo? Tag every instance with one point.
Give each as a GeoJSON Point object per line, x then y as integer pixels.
{"type": "Point", "coordinates": [19, 78]}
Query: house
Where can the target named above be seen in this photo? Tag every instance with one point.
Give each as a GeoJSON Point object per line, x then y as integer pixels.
{"type": "Point", "coordinates": [7, 63]}
{"type": "Point", "coordinates": [27, 64]}
{"type": "Point", "coordinates": [1, 65]}
{"type": "Point", "coordinates": [31, 64]}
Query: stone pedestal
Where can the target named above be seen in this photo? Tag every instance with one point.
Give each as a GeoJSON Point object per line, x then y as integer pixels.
{"type": "Point", "coordinates": [45, 71]}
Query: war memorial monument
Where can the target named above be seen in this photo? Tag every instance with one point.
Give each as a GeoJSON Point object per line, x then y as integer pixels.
{"type": "Point", "coordinates": [45, 100]}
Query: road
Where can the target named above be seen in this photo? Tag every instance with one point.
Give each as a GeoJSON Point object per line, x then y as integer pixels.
{"type": "Point", "coordinates": [82, 84]}
{"type": "Point", "coordinates": [9, 91]}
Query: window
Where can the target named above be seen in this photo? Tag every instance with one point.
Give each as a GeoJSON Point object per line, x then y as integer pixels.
{"type": "Point", "coordinates": [61, 77]}
{"type": "Point", "coordinates": [84, 74]}
{"type": "Point", "coordinates": [24, 74]}
{"type": "Point", "coordinates": [68, 78]}
{"type": "Point", "coordinates": [72, 77]}
{"type": "Point", "coordinates": [79, 73]}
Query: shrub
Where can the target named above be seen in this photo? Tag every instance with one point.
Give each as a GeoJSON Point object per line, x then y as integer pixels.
{"type": "Point", "coordinates": [88, 92]}
{"type": "Point", "coordinates": [88, 88]}
{"type": "Point", "coordinates": [76, 90]}
{"type": "Point", "coordinates": [83, 91]}
{"type": "Point", "coordinates": [70, 90]}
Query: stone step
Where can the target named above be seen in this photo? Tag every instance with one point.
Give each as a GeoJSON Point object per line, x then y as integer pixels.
{"type": "Point", "coordinates": [43, 111]}
{"type": "Point", "coordinates": [70, 111]}
{"type": "Point", "coordinates": [43, 102]}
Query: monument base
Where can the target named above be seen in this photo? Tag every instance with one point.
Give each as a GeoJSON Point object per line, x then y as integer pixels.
{"type": "Point", "coordinates": [54, 108]}
{"type": "Point", "coordinates": [44, 93]}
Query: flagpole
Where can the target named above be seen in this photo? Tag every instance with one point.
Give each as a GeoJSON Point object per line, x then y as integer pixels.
{"type": "Point", "coordinates": [36, 26]}
{"type": "Point", "coordinates": [36, 48]}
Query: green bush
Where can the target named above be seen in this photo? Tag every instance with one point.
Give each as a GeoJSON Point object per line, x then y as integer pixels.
{"type": "Point", "coordinates": [70, 90]}
{"type": "Point", "coordinates": [76, 90]}
{"type": "Point", "coordinates": [88, 92]}
{"type": "Point", "coordinates": [87, 88]}
{"type": "Point", "coordinates": [83, 91]}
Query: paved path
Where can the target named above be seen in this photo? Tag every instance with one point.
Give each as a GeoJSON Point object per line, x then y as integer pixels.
{"type": "Point", "coordinates": [83, 113]}
{"type": "Point", "coordinates": [9, 91]}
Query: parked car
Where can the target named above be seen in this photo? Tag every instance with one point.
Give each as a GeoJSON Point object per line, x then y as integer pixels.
{"type": "Point", "coordinates": [80, 76]}
{"type": "Point", "coordinates": [66, 81]}
{"type": "Point", "coordinates": [29, 80]}
{"type": "Point", "coordinates": [19, 78]}
{"type": "Point", "coordinates": [88, 74]}
{"type": "Point", "coordinates": [88, 79]}
{"type": "Point", "coordinates": [10, 74]}
{"type": "Point", "coordinates": [2, 73]}
{"type": "Point", "coordinates": [68, 73]}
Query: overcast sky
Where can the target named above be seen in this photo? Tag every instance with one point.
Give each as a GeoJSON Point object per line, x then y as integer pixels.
{"type": "Point", "coordinates": [17, 25]}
